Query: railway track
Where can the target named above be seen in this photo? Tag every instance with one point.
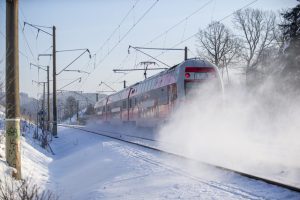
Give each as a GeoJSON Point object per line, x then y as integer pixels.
{"type": "Point", "coordinates": [119, 136]}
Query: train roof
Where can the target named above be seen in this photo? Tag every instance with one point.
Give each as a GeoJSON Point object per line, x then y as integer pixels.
{"type": "Point", "coordinates": [190, 62]}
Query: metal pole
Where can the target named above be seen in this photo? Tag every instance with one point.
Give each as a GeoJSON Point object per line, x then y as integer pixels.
{"type": "Point", "coordinates": [43, 105]}
{"type": "Point", "coordinates": [13, 156]}
{"type": "Point", "coordinates": [77, 108]}
{"type": "Point", "coordinates": [124, 84]}
{"type": "Point", "coordinates": [36, 134]}
{"type": "Point", "coordinates": [185, 53]}
{"type": "Point", "coordinates": [54, 85]}
{"type": "Point", "coordinates": [48, 99]}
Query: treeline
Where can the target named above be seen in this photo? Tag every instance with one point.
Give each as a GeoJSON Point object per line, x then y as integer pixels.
{"type": "Point", "coordinates": [260, 43]}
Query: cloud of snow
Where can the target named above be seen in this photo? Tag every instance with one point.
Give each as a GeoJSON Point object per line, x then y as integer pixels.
{"type": "Point", "coordinates": [255, 132]}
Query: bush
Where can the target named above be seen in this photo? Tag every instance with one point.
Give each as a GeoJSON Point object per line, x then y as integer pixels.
{"type": "Point", "coordinates": [23, 190]}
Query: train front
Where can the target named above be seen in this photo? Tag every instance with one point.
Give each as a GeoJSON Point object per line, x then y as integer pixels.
{"type": "Point", "coordinates": [198, 78]}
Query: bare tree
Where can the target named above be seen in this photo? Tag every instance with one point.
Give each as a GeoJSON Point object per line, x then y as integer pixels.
{"type": "Point", "coordinates": [218, 45]}
{"type": "Point", "coordinates": [257, 33]}
{"type": "Point", "coordinates": [70, 107]}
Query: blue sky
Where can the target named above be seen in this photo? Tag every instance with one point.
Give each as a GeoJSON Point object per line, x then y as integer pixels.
{"type": "Point", "coordinates": [88, 24]}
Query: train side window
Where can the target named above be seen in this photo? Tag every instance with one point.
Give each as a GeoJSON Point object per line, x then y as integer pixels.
{"type": "Point", "coordinates": [163, 96]}
{"type": "Point", "coordinates": [124, 104]}
{"type": "Point", "coordinates": [173, 91]}
{"type": "Point", "coordinates": [149, 85]}
{"type": "Point", "coordinates": [130, 103]}
{"type": "Point", "coordinates": [142, 87]}
{"type": "Point", "coordinates": [146, 86]}
{"type": "Point", "coordinates": [152, 84]}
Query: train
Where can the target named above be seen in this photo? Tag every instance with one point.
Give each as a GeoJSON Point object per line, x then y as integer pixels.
{"type": "Point", "coordinates": [151, 102]}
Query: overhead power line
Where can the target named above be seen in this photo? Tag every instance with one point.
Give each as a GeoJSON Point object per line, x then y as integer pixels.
{"type": "Point", "coordinates": [171, 28]}
{"type": "Point", "coordinates": [122, 38]}
{"type": "Point", "coordinates": [21, 53]}
{"type": "Point", "coordinates": [178, 23]}
{"type": "Point", "coordinates": [218, 21]}
{"type": "Point", "coordinates": [27, 43]}
{"type": "Point", "coordinates": [126, 34]}
{"type": "Point", "coordinates": [118, 27]}
{"type": "Point", "coordinates": [193, 35]}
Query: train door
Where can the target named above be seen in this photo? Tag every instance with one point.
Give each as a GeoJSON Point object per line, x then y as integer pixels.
{"type": "Point", "coordinates": [129, 104]}
{"type": "Point", "coordinates": [172, 96]}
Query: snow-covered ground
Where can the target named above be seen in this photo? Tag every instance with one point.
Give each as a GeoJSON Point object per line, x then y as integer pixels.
{"type": "Point", "coordinates": [272, 171]}
{"type": "Point", "coordinates": [88, 166]}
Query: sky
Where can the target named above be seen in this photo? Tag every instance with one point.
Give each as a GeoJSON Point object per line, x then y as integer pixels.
{"type": "Point", "coordinates": [107, 28]}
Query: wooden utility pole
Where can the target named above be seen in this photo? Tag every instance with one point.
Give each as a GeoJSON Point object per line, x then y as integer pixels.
{"type": "Point", "coordinates": [13, 155]}
{"type": "Point", "coordinates": [54, 129]}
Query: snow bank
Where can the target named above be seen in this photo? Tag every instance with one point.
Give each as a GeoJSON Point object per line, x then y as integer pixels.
{"type": "Point", "coordinates": [34, 160]}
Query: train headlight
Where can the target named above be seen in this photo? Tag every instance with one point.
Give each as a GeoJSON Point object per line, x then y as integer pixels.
{"type": "Point", "coordinates": [187, 75]}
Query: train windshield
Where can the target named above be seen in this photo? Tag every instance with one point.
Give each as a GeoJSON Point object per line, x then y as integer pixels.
{"type": "Point", "coordinates": [198, 79]}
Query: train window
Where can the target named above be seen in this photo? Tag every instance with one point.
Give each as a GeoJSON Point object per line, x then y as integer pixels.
{"type": "Point", "coordinates": [124, 104]}
{"type": "Point", "coordinates": [173, 92]}
{"type": "Point", "coordinates": [142, 87]}
{"type": "Point", "coordinates": [152, 84]}
{"type": "Point", "coordinates": [163, 96]}
{"type": "Point", "coordinates": [130, 103]}
{"type": "Point", "coordinates": [191, 88]}
{"type": "Point", "coordinates": [146, 86]}
{"type": "Point", "coordinates": [149, 85]}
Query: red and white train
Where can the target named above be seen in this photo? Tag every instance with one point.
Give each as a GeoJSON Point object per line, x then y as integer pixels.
{"type": "Point", "coordinates": [150, 102]}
